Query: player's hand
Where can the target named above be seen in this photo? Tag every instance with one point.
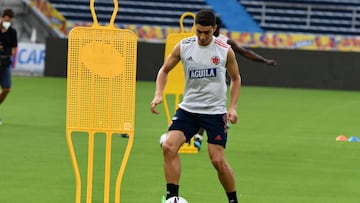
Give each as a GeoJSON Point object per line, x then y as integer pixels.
{"type": "Point", "coordinates": [271, 62]}
{"type": "Point", "coordinates": [232, 116]}
{"type": "Point", "coordinates": [157, 100]}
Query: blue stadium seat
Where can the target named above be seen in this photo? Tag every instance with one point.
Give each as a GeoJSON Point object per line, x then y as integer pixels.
{"type": "Point", "coordinates": [306, 16]}
{"type": "Point", "coordinates": [142, 12]}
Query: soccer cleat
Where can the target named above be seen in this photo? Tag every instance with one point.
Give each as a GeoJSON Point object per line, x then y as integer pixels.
{"type": "Point", "coordinates": [197, 144]}
{"type": "Point", "coordinates": [197, 141]}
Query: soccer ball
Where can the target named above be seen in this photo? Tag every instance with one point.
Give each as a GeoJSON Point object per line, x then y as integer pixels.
{"type": "Point", "coordinates": [176, 200]}
{"type": "Point", "coordinates": [163, 138]}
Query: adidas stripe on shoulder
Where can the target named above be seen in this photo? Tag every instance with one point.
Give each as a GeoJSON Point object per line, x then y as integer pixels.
{"type": "Point", "coordinates": [221, 43]}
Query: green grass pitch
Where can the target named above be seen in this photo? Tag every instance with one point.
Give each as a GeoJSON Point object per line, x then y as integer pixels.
{"type": "Point", "coordinates": [283, 149]}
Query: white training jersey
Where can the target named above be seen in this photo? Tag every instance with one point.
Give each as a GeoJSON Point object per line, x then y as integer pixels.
{"type": "Point", "coordinates": [223, 38]}
{"type": "Point", "coordinates": [205, 76]}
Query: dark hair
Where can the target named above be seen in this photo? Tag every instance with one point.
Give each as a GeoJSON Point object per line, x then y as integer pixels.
{"type": "Point", "coordinates": [218, 21]}
{"type": "Point", "coordinates": [8, 12]}
{"type": "Point", "coordinates": [205, 18]}
{"type": "Point", "coordinates": [218, 26]}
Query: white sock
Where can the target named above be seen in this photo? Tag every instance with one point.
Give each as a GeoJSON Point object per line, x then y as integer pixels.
{"type": "Point", "coordinates": [198, 136]}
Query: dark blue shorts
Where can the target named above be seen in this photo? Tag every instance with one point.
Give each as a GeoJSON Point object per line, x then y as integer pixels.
{"type": "Point", "coordinates": [190, 123]}
{"type": "Point", "coordinates": [5, 78]}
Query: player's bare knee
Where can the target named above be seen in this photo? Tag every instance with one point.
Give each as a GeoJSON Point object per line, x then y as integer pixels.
{"type": "Point", "coordinates": [219, 163]}
{"type": "Point", "coordinates": [168, 148]}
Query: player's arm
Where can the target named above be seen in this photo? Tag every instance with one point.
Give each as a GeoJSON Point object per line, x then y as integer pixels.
{"type": "Point", "coordinates": [235, 84]}
{"type": "Point", "coordinates": [171, 61]}
{"type": "Point", "coordinates": [250, 54]}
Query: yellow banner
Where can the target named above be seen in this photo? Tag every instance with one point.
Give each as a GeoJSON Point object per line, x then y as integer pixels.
{"type": "Point", "coordinates": [296, 41]}
{"type": "Point", "coordinates": [263, 40]}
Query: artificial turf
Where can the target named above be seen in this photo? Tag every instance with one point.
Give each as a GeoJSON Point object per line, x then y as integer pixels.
{"type": "Point", "coordinates": [283, 149]}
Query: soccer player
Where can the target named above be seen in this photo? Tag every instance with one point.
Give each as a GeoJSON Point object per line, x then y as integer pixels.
{"type": "Point", "coordinates": [206, 60]}
{"type": "Point", "coordinates": [237, 49]}
{"type": "Point", "coordinates": [8, 44]}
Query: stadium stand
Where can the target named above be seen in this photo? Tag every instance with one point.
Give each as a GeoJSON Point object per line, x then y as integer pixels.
{"type": "Point", "coordinates": [306, 16]}
{"type": "Point", "coordinates": [235, 16]}
{"type": "Point", "coordinates": [142, 12]}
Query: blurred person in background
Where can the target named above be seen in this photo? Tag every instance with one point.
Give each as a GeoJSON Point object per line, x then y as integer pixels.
{"type": "Point", "coordinates": [8, 45]}
{"type": "Point", "coordinates": [240, 50]}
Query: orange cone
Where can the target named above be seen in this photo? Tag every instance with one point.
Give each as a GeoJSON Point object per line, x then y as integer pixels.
{"type": "Point", "coordinates": [341, 138]}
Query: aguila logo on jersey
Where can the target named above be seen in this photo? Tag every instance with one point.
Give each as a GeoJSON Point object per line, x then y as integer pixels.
{"type": "Point", "coordinates": [215, 60]}
{"type": "Point", "coordinates": [202, 73]}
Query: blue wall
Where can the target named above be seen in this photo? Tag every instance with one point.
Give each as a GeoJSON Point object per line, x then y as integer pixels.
{"type": "Point", "coordinates": [234, 16]}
